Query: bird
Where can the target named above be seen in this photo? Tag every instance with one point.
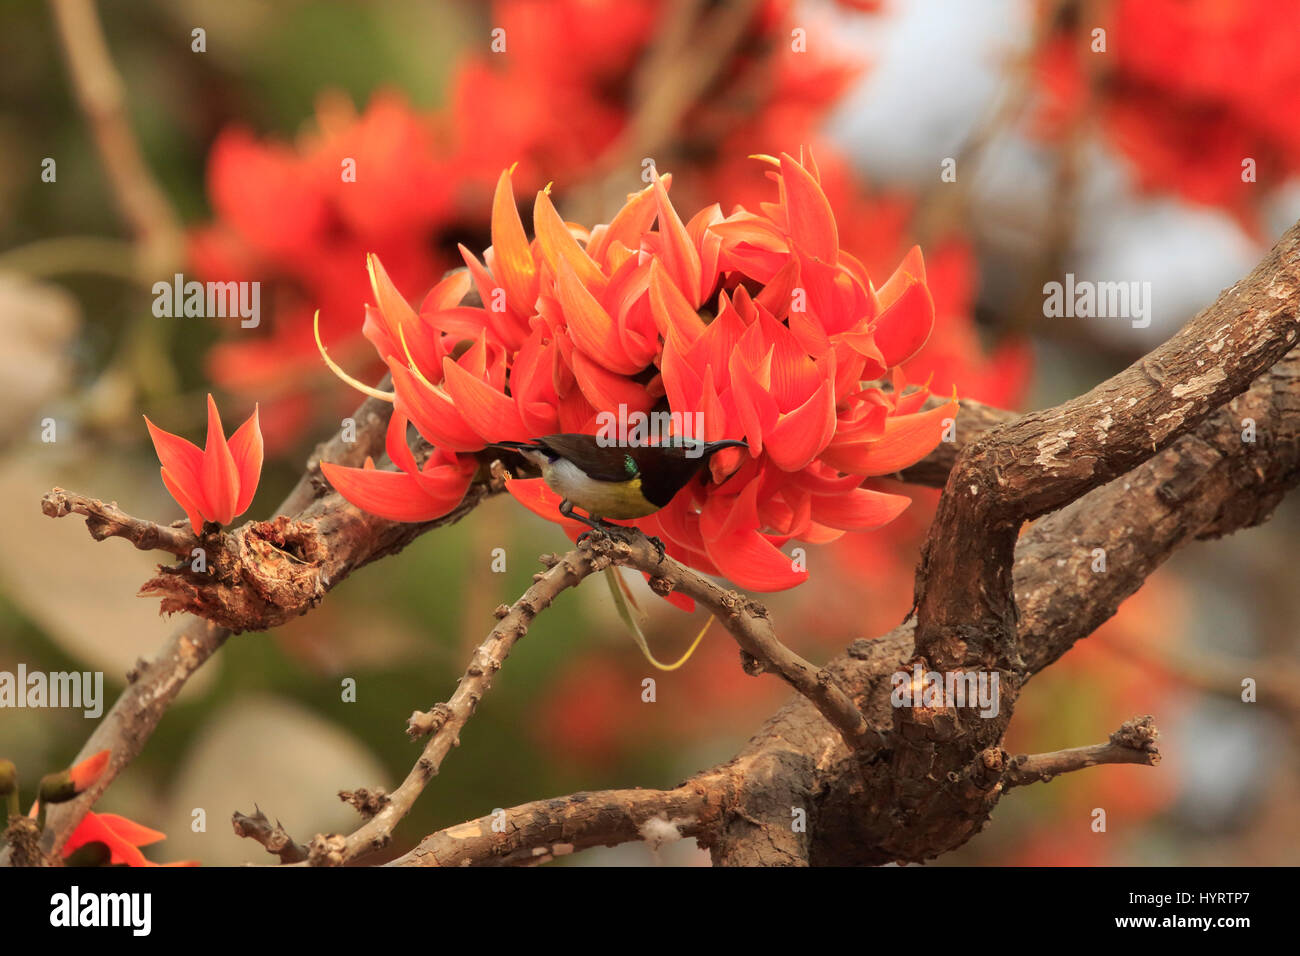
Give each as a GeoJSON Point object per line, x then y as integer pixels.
{"type": "Point", "coordinates": [614, 481]}
{"type": "Point", "coordinates": [622, 482]}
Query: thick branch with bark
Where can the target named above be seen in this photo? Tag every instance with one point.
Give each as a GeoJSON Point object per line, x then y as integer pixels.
{"type": "Point", "coordinates": [1024, 469]}
{"type": "Point", "coordinates": [540, 831]}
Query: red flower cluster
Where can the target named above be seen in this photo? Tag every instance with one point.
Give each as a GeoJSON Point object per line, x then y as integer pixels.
{"type": "Point", "coordinates": [1188, 89]}
{"type": "Point", "coordinates": [757, 321]}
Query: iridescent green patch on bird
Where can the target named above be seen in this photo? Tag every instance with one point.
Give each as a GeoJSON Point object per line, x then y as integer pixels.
{"type": "Point", "coordinates": [630, 465]}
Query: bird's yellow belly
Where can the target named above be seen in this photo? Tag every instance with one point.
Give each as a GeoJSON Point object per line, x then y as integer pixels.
{"type": "Point", "coordinates": [621, 500]}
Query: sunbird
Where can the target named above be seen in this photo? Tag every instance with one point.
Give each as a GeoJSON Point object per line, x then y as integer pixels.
{"type": "Point", "coordinates": [614, 481]}
{"type": "Point", "coordinates": [620, 482]}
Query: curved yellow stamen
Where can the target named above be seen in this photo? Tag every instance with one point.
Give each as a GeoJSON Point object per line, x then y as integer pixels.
{"type": "Point", "coordinates": [625, 604]}
{"type": "Point", "coordinates": [689, 651]}
{"type": "Point", "coordinates": [765, 158]}
{"type": "Point", "coordinates": [360, 386]}
{"type": "Point", "coordinates": [374, 279]}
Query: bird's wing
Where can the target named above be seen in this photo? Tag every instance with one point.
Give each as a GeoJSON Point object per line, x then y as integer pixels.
{"type": "Point", "coordinates": [597, 462]}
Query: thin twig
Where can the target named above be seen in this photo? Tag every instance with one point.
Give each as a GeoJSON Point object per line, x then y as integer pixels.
{"type": "Point", "coordinates": [750, 624]}
{"type": "Point", "coordinates": [444, 722]}
{"type": "Point", "coordinates": [1134, 742]}
{"type": "Point", "coordinates": [109, 521]}
{"type": "Point", "coordinates": [273, 837]}
{"type": "Point", "coordinates": [99, 91]}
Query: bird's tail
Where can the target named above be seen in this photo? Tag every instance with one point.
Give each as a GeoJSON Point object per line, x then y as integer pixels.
{"type": "Point", "coordinates": [511, 454]}
{"type": "Point", "coordinates": [512, 445]}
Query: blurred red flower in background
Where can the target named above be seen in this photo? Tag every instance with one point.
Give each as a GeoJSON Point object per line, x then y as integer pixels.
{"type": "Point", "coordinates": [1187, 89]}
{"type": "Point", "coordinates": [297, 220]}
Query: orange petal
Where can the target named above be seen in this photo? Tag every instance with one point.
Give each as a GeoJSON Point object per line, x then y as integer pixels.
{"type": "Point", "coordinates": [678, 252]}
{"type": "Point", "coordinates": [246, 449]}
{"type": "Point", "coordinates": [907, 439]}
{"type": "Point", "coordinates": [448, 293]}
{"type": "Point", "coordinates": [606, 390]}
{"type": "Point", "coordinates": [504, 323]}
{"type": "Point", "coordinates": [535, 495]}
{"type": "Point", "coordinates": [491, 413]}
{"type": "Point", "coordinates": [556, 242]}
{"type": "Point", "coordinates": [755, 405]}
{"type": "Point", "coordinates": [394, 495]}
{"type": "Point", "coordinates": [183, 461]}
{"type": "Point", "coordinates": [395, 443]}
{"type": "Point", "coordinates": [396, 310]}
{"type": "Point", "coordinates": [433, 412]}
{"type": "Point", "coordinates": [905, 321]}
{"type": "Point", "coordinates": [752, 561]}
{"type": "Point", "coordinates": [512, 258]}
{"type": "Point", "coordinates": [861, 509]}
{"type": "Point", "coordinates": [797, 438]}
{"type": "Point", "coordinates": [628, 225]}
{"type": "Point", "coordinates": [220, 475]}
{"type": "Point", "coordinates": [134, 833]}
{"type": "Point", "coordinates": [778, 293]}
{"type": "Point", "coordinates": [592, 329]}
{"type": "Point", "coordinates": [673, 314]}
{"type": "Point", "coordinates": [809, 217]}
{"type": "Point", "coordinates": [191, 509]}
{"type": "Point", "coordinates": [123, 837]}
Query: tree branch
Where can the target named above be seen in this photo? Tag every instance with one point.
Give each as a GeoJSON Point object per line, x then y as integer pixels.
{"type": "Point", "coordinates": [540, 831]}
{"type": "Point", "coordinates": [273, 837]}
{"type": "Point", "coordinates": [109, 521]}
{"type": "Point", "coordinates": [1134, 742]}
{"type": "Point", "coordinates": [99, 92]}
{"type": "Point", "coordinates": [1021, 470]}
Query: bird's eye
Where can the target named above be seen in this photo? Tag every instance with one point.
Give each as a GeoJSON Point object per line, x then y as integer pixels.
{"type": "Point", "coordinates": [629, 464]}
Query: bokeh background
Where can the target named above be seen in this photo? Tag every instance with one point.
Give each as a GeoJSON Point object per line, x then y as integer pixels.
{"type": "Point", "coordinates": [1122, 164]}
